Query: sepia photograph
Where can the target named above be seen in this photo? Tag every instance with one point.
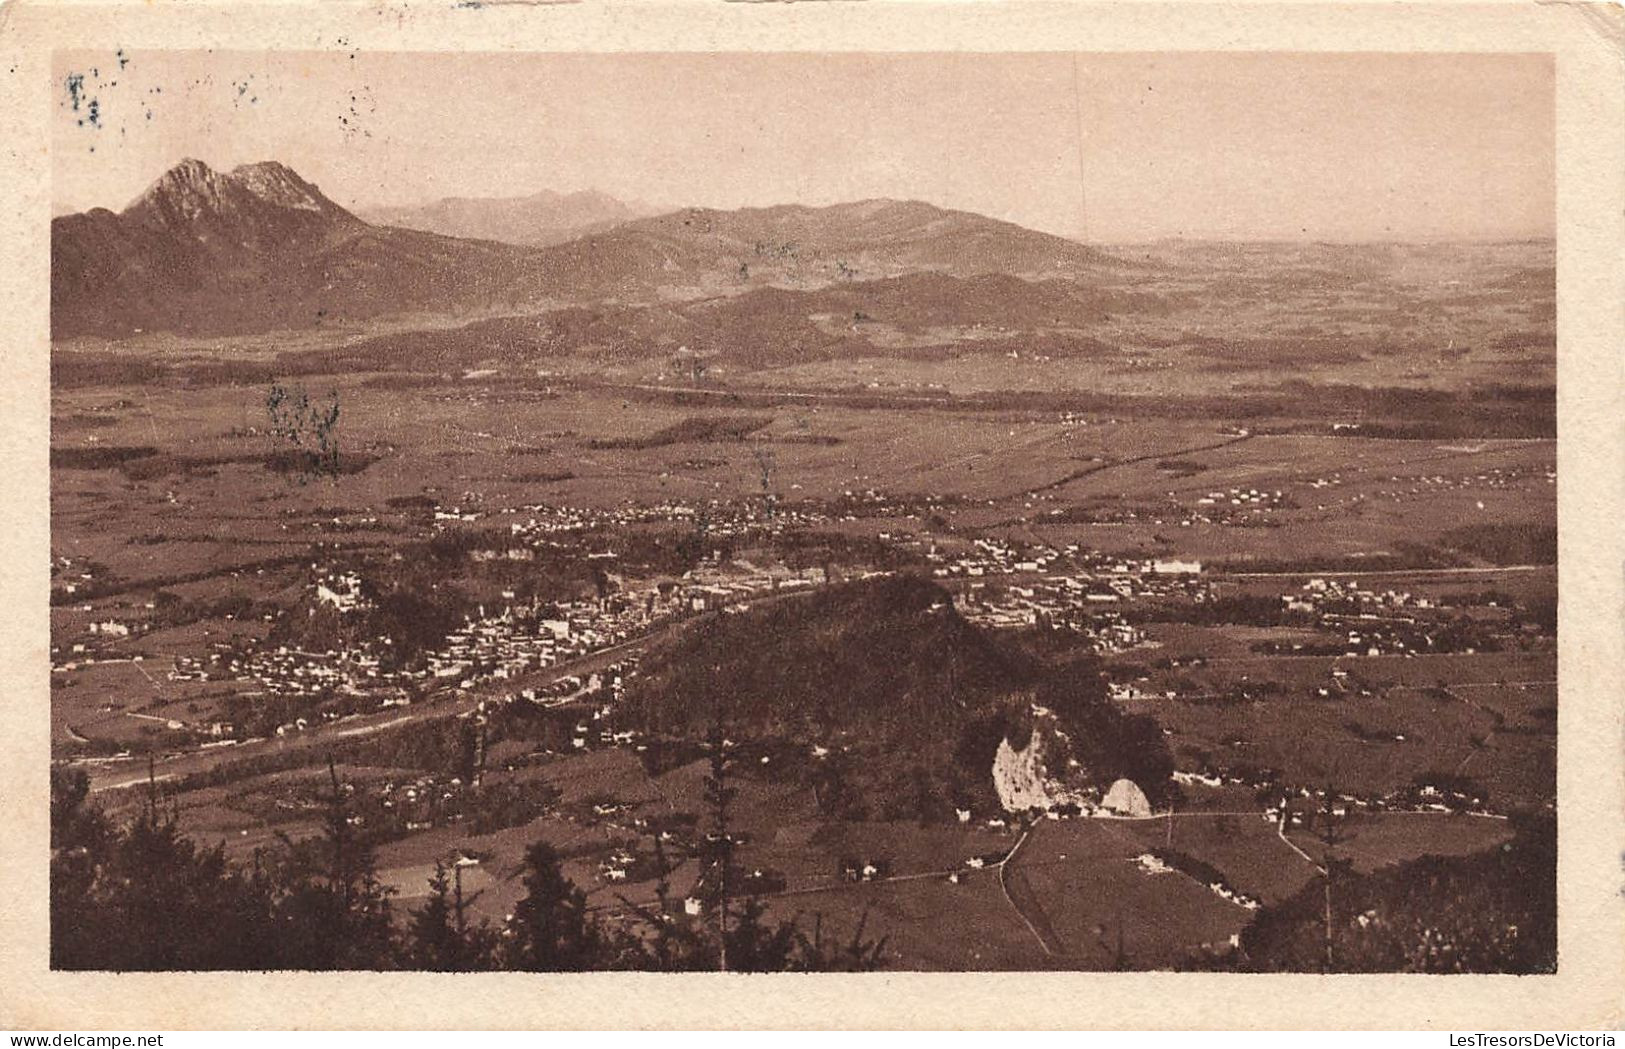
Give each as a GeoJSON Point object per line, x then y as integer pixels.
{"type": "Point", "coordinates": [803, 511]}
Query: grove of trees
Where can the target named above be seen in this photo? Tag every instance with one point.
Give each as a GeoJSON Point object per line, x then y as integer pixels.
{"type": "Point", "coordinates": [141, 896]}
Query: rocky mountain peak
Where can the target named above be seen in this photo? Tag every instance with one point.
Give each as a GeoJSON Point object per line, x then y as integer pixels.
{"type": "Point", "coordinates": [192, 191]}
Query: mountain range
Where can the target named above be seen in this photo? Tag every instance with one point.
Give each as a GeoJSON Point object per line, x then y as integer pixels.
{"type": "Point", "coordinates": [258, 248]}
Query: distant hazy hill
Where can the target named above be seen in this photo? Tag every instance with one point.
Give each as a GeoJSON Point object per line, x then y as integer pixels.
{"type": "Point", "coordinates": [794, 246]}
{"type": "Point", "coordinates": [899, 315]}
{"type": "Point", "coordinates": [892, 316]}
{"type": "Point", "coordinates": [919, 301]}
{"type": "Point", "coordinates": [254, 248]}
{"type": "Point", "coordinates": [919, 314]}
{"type": "Point", "coordinates": [538, 220]}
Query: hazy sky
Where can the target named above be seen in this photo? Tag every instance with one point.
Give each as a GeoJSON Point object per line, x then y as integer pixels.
{"type": "Point", "coordinates": [1111, 147]}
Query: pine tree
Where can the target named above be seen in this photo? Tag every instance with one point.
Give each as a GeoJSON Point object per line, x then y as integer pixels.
{"type": "Point", "coordinates": [332, 912]}
{"type": "Point", "coordinates": [1330, 832]}
{"type": "Point", "coordinates": [430, 938]}
{"type": "Point", "coordinates": [79, 845]}
{"type": "Point", "coordinates": [718, 850]}
{"type": "Point", "coordinates": [439, 937]}
{"type": "Point", "coordinates": [550, 930]}
{"type": "Point", "coordinates": [145, 898]}
{"type": "Point", "coordinates": [857, 954]}
{"type": "Point", "coordinates": [670, 946]}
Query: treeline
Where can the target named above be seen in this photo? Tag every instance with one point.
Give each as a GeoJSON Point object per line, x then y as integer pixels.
{"type": "Point", "coordinates": [1520, 543]}
{"type": "Point", "coordinates": [1492, 410]}
{"type": "Point", "coordinates": [694, 429]}
{"type": "Point", "coordinates": [1224, 610]}
{"type": "Point", "coordinates": [444, 745]}
{"type": "Point", "coordinates": [143, 462]}
{"type": "Point", "coordinates": [1527, 543]}
{"type": "Point", "coordinates": [1406, 555]}
{"type": "Point", "coordinates": [1488, 411]}
{"type": "Point", "coordinates": [143, 897]}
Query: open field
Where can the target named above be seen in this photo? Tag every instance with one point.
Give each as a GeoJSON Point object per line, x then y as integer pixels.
{"type": "Point", "coordinates": [1085, 879]}
{"type": "Point", "coordinates": [1369, 745]}
{"type": "Point", "coordinates": [1372, 842]}
{"type": "Point", "coordinates": [1247, 849]}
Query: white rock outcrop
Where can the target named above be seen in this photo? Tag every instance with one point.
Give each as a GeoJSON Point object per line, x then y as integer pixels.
{"type": "Point", "coordinates": [1023, 780]}
{"type": "Point", "coordinates": [1125, 798]}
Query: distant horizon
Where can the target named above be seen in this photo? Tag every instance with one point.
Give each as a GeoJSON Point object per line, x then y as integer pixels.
{"type": "Point", "coordinates": [1106, 148]}
{"type": "Point", "coordinates": [667, 209]}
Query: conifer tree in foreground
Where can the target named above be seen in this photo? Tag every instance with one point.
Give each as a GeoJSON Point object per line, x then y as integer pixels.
{"type": "Point", "coordinates": [439, 937]}
{"type": "Point", "coordinates": [550, 930]}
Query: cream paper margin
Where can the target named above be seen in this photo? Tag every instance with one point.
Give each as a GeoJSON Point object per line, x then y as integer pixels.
{"type": "Point", "coordinates": [1587, 992]}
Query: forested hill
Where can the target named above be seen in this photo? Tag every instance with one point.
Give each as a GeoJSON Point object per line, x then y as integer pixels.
{"type": "Point", "coordinates": [868, 657]}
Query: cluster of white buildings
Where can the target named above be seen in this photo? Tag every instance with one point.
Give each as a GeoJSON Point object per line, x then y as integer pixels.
{"type": "Point", "coordinates": [1234, 507]}
{"type": "Point", "coordinates": [1317, 594]}
{"type": "Point", "coordinates": [496, 646]}
{"type": "Point", "coordinates": [516, 641]}
{"type": "Point", "coordinates": [340, 590]}
{"type": "Point", "coordinates": [722, 519]}
{"type": "Point", "coordinates": [69, 575]}
{"type": "Point", "coordinates": [1064, 589]}
{"type": "Point", "coordinates": [1401, 489]}
{"type": "Point", "coordinates": [997, 557]}
{"type": "Point", "coordinates": [708, 588]}
{"type": "Point", "coordinates": [286, 671]}
{"type": "Point", "coordinates": [1057, 603]}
